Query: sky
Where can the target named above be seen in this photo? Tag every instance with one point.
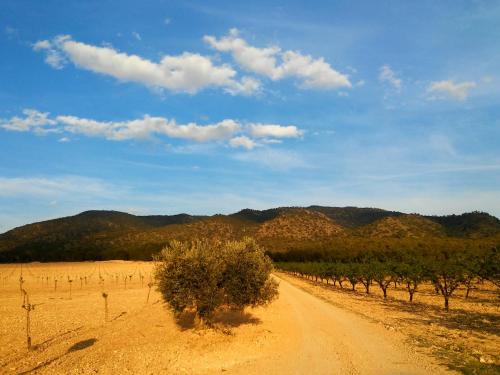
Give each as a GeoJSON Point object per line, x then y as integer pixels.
{"type": "Point", "coordinates": [162, 107]}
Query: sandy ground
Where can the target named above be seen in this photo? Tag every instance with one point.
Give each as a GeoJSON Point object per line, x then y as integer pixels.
{"type": "Point", "coordinates": [300, 333]}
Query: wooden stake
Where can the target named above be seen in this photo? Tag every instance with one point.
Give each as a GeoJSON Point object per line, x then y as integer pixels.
{"type": "Point", "coordinates": [28, 307]}
{"type": "Point", "coordinates": [105, 296]}
{"type": "Point", "coordinates": [149, 291]}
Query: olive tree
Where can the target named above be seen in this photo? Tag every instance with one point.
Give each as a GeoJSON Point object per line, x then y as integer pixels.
{"type": "Point", "coordinates": [203, 276]}
{"type": "Point", "coordinates": [246, 278]}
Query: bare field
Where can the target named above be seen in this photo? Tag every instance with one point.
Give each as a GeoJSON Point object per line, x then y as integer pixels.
{"type": "Point", "coordinates": [322, 331]}
{"type": "Point", "coordinates": [70, 335]}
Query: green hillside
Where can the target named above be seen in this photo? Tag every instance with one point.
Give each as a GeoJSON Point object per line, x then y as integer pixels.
{"type": "Point", "coordinates": [97, 235]}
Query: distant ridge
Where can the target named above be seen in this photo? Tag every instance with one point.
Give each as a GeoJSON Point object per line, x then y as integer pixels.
{"type": "Point", "coordinates": [95, 235]}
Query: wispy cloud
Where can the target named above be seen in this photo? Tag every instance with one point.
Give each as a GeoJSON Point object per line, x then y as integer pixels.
{"type": "Point", "coordinates": [457, 91]}
{"type": "Point", "coordinates": [273, 159]}
{"type": "Point", "coordinates": [136, 35]}
{"type": "Point", "coordinates": [386, 74]}
{"type": "Point", "coordinates": [11, 32]}
{"type": "Point", "coordinates": [443, 144]}
{"type": "Point", "coordinates": [53, 55]}
{"type": "Point", "coordinates": [59, 186]}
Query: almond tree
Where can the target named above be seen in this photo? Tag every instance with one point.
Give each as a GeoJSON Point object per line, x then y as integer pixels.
{"type": "Point", "coordinates": [366, 275]}
{"type": "Point", "coordinates": [383, 275]}
{"type": "Point", "coordinates": [447, 272]}
{"type": "Point", "coordinates": [352, 274]}
{"type": "Point", "coordinates": [413, 273]}
{"type": "Point", "coordinates": [489, 266]}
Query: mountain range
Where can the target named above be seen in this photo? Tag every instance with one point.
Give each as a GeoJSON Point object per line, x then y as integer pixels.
{"type": "Point", "coordinates": [97, 235]}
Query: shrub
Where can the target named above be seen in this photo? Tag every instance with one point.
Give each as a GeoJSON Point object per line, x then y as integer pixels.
{"type": "Point", "coordinates": [204, 276]}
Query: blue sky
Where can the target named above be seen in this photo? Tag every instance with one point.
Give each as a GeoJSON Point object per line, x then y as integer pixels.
{"type": "Point", "coordinates": [161, 107]}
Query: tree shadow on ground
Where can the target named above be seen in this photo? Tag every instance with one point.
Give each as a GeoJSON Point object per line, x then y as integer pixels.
{"type": "Point", "coordinates": [222, 318]}
{"type": "Point", "coordinates": [80, 345]}
{"type": "Point", "coordinates": [45, 344]}
{"type": "Point", "coordinates": [460, 319]}
{"type": "Point", "coordinates": [456, 318]}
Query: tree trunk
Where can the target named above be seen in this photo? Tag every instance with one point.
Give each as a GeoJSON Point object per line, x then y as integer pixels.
{"type": "Point", "coordinates": [199, 321]}
{"type": "Point", "coordinates": [385, 292]}
{"type": "Point", "coordinates": [446, 304]}
{"type": "Point", "coordinates": [467, 291]}
{"type": "Point", "coordinates": [411, 296]}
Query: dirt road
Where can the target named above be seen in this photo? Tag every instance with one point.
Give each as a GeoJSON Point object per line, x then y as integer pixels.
{"type": "Point", "coordinates": [297, 334]}
{"type": "Point", "coordinates": [331, 340]}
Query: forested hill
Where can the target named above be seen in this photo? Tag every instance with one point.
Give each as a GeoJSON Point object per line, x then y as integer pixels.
{"type": "Point", "coordinates": [95, 235]}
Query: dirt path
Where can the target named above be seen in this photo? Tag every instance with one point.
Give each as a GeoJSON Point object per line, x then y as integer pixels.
{"type": "Point", "coordinates": [297, 334]}
{"type": "Point", "coordinates": [334, 341]}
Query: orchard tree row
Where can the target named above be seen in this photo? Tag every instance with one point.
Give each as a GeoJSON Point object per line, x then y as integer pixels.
{"type": "Point", "coordinates": [445, 269]}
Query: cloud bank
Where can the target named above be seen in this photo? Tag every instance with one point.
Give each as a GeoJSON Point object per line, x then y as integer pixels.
{"type": "Point", "coordinates": [187, 72]}
{"type": "Point", "coordinates": [236, 133]}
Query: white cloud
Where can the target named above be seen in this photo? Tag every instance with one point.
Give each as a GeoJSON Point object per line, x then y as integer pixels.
{"type": "Point", "coordinates": [272, 130]}
{"type": "Point", "coordinates": [188, 72]}
{"type": "Point", "coordinates": [136, 35]}
{"type": "Point", "coordinates": [33, 121]}
{"type": "Point", "coordinates": [458, 91]}
{"type": "Point", "coordinates": [149, 127]}
{"type": "Point", "coordinates": [53, 55]}
{"type": "Point", "coordinates": [386, 74]}
{"type": "Point", "coordinates": [243, 141]}
{"type": "Point", "coordinates": [276, 64]}
{"type": "Point", "coordinates": [41, 44]}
